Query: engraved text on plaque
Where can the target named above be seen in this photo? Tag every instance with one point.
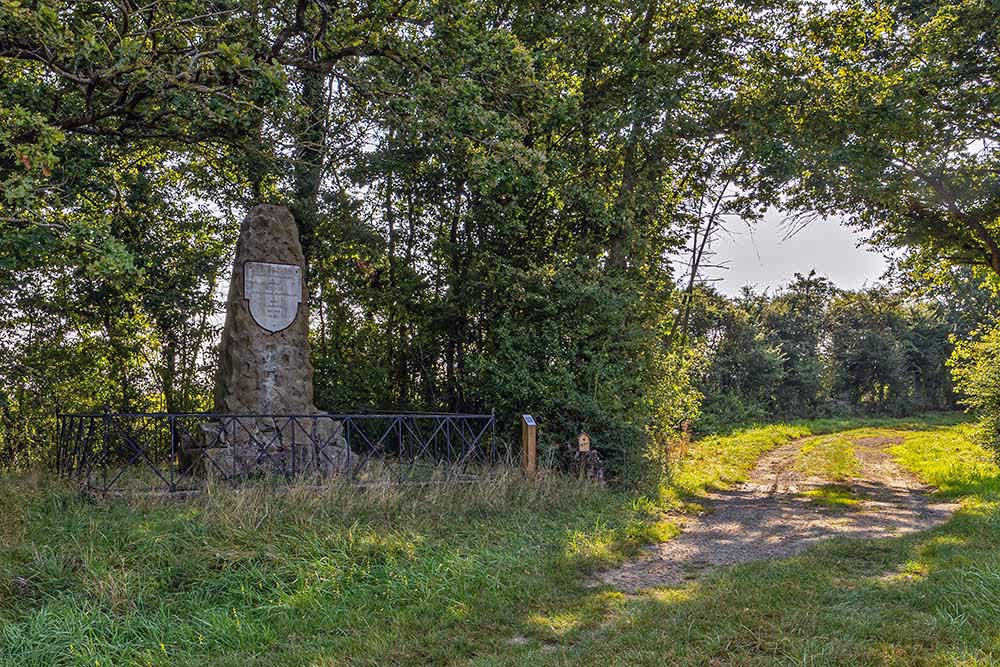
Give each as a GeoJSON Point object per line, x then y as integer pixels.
{"type": "Point", "coordinates": [274, 292]}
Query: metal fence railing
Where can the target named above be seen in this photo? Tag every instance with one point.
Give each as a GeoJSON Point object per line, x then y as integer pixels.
{"type": "Point", "coordinates": [111, 452]}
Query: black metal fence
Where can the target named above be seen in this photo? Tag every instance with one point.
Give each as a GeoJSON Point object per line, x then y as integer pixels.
{"type": "Point", "coordinates": [120, 452]}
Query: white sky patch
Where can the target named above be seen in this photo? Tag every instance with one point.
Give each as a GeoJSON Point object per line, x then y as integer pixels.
{"type": "Point", "coordinates": [762, 257]}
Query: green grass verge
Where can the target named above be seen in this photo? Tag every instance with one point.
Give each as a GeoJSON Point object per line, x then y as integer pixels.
{"type": "Point", "coordinates": [718, 462]}
{"type": "Point", "coordinates": [950, 461]}
{"type": "Point", "coordinates": [472, 576]}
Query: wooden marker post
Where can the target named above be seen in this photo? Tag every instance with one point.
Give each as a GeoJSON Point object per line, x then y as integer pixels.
{"type": "Point", "coordinates": [529, 444]}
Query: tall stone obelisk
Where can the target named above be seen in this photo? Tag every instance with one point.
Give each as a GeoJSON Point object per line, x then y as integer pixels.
{"type": "Point", "coordinates": [264, 365]}
{"type": "Point", "coordinates": [264, 382]}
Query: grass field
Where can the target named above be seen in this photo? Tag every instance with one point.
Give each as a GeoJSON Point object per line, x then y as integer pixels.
{"type": "Point", "coordinates": [427, 576]}
{"type": "Point", "coordinates": [489, 576]}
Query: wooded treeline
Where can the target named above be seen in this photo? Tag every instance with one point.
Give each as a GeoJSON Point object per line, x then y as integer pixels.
{"type": "Point", "coordinates": [813, 350]}
{"type": "Point", "coordinates": [492, 196]}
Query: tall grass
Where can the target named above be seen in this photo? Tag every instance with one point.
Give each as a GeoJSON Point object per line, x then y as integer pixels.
{"type": "Point", "coordinates": [485, 574]}
{"type": "Point", "coordinates": [291, 575]}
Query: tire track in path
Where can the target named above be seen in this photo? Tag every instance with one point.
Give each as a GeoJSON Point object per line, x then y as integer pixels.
{"type": "Point", "coordinates": [767, 517]}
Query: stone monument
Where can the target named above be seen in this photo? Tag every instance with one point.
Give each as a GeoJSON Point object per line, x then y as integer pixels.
{"type": "Point", "coordinates": [265, 377]}
{"type": "Point", "coordinates": [264, 366]}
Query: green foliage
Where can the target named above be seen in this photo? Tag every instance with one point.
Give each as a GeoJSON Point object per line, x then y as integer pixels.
{"type": "Point", "coordinates": [976, 369]}
{"type": "Point", "coordinates": [487, 194]}
{"type": "Point", "coordinates": [491, 198]}
{"type": "Point", "coordinates": [499, 237]}
{"type": "Point", "coordinates": [889, 355]}
{"type": "Point", "coordinates": [798, 318]}
{"type": "Point", "coordinates": [813, 350]}
{"type": "Point", "coordinates": [109, 255]}
{"type": "Point", "coordinates": [887, 113]}
{"type": "Point", "coordinates": [118, 312]}
{"type": "Point", "coordinates": [745, 364]}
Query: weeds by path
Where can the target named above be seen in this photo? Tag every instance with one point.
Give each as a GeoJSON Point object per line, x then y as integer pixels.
{"type": "Point", "coordinates": [462, 575]}
{"type": "Point", "coordinates": [930, 598]}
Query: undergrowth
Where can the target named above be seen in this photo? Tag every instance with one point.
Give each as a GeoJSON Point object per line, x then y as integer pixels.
{"type": "Point", "coordinates": [488, 574]}
{"type": "Point", "coordinates": [291, 575]}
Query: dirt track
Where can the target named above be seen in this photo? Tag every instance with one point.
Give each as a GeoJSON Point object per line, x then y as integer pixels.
{"type": "Point", "coordinates": [767, 518]}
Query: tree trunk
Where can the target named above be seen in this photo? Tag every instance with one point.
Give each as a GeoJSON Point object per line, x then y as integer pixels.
{"type": "Point", "coordinates": [309, 158]}
{"type": "Point", "coordinates": [621, 236]}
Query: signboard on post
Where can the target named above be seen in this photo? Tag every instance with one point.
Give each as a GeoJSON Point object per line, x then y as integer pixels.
{"type": "Point", "coordinates": [529, 444]}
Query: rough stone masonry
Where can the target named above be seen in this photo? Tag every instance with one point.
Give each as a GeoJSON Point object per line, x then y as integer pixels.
{"type": "Point", "coordinates": [263, 371]}
{"type": "Point", "coordinates": [264, 368]}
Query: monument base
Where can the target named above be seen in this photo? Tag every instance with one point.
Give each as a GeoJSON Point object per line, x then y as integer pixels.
{"type": "Point", "coordinates": [241, 447]}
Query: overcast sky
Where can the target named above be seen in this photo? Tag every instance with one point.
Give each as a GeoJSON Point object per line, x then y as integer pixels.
{"type": "Point", "coordinates": [765, 258]}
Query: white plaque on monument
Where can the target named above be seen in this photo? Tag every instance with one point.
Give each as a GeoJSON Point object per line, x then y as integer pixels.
{"type": "Point", "coordinates": [274, 292]}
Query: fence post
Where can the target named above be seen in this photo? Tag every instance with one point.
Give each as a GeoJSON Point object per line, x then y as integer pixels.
{"type": "Point", "coordinates": [529, 444]}
{"type": "Point", "coordinates": [107, 452]}
{"type": "Point", "coordinates": [171, 421]}
{"type": "Point", "coordinates": [493, 436]}
{"type": "Point", "coordinates": [59, 443]}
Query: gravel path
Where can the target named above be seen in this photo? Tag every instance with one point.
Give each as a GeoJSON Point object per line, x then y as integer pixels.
{"type": "Point", "coordinates": [766, 518]}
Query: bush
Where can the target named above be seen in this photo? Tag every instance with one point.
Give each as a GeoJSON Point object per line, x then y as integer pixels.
{"type": "Point", "coordinates": [976, 372]}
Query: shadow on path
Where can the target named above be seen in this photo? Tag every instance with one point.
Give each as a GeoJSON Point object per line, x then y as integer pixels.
{"type": "Point", "coordinates": [767, 517]}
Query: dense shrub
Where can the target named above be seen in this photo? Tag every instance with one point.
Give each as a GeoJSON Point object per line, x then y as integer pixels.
{"type": "Point", "coordinates": [976, 369]}
{"type": "Point", "coordinates": [812, 350]}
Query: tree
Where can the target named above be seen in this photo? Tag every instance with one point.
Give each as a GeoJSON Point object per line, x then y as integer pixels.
{"type": "Point", "coordinates": [798, 320]}
{"type": "Point", "coordinates": [488, 193]}
{"type": "Point", "coordinates": [813, 350]}
{"type": "Point", "coordinates": [509, 233]}
{"type": "Point", "coordinates": [745, 365]}
{"type": "Point", "coordinates": [123, 122]}
{"type": "Point", "coordinates": [887, 113]}
{"type": "Point", "coordinates": [976, 369]}
{"type": "Point", "coordinates": [888, 355]}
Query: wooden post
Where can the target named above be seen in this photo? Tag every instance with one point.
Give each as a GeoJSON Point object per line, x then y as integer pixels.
{"type": "Point", "coordinates": [529, 444]}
